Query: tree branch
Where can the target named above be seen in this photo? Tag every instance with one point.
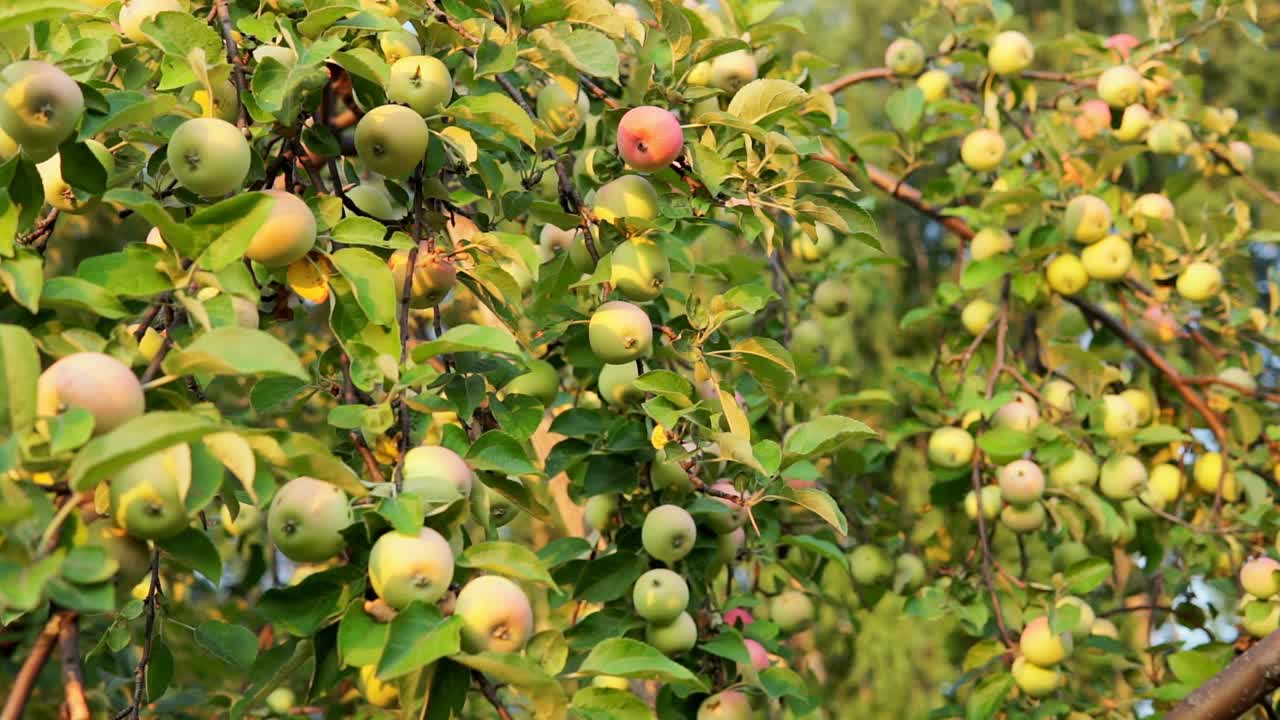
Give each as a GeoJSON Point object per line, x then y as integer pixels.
{"type": "Point", "coordinates": [140, 672]}
{"type": "Point", "coordinates": [902, 192]}
{"type": "Point", "coordinates": [233, 57]}
{"type": "Point", "coordinates": [853, 78]}
{"type": "Point", "coordinates": [1248, 680]}
{"type": "Point", "coordinates": [77, 707]}
{"type": "Point", "coordinates": [16, 703]}
{"type": "Point", "coordinates": [491, 694]}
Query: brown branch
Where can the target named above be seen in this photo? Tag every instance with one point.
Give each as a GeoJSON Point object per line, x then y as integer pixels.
{"type": "Point", "coordinates": [491, 694]}
{"type": "Point", "coordinates": [140, 672]}
{"type": "Point", "coordinates": [902, 192]}
{"type": "Point", "coordinates": [39, 235]}
{"type": "Point", "coordinates": [1264, 393]}
{"type": "Point", "coordinates": [76, 706]}
{"type": "Point", "coordinates": [1248, 680]}
{"type": "Point", "coordinates": [853, 78]}
{"type": "Point", "coordinates": [349, 397]}
{"type": "Point", "coordinates": [233, 57]}
{"type": "Point", "coordinates": [1253, 183]}
{"type": "Point", "coordinates": [16, 703]}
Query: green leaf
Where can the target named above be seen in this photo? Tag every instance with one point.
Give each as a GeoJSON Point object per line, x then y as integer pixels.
{"type": "Point", "coordinates": [825, 435]}
{"type": "Point", "coordinates": [23, 14]}
{"type": "Point", "coordinates": [606, 703]}
{"type": "Point", "coordinates": [1084, 576]}
{"type": "Point", "coordinates": [783, 682]}
{"type": "Point", "coordinates": [132, 441]}
{"type": "Point", "coordinates": [81, 168]}
{"type": "Point", "coordinates": [586, 50]}
{"type": "Point", "coordinates": [235, 645]}
{"type": "Point", "coordinates": [506, 558]}
{"type": "Point", "coordinates": [905, 108]}
{"type": "Point", "coordinates": [77, 294]}
{"type": "Point", "coordinates": [223, 231]}
{"type": "Point", "coordinates": [1004, 442]}
{"type": "Point", "coordinates": [629, 658]}
{"type": "Point", "coordinates": [981, 273]}
{"type": "Point", "coordinates": [372, 282]}
{"type": "Point", "coordinates": [762, 101]}
{"type": "Point", "coordinates": [817, 546]}
{"type": "Point", "coordinates": [1160, 435]}
{"type": "Point", "coordinates": [282, 91]}
{"type": "Point", "coordinates": [194, 549]}
{"type": "Point", "coordinates": [235, 351]}
{"type": "Point", "coordinates": [1194, 667]}
{"type": "Point", "coordinates": [497, 111]}
{"type": "Point", "coordinates": [728, 644]}
{"type": "Point", "coordinates": [87, 564]}
{"type": "Point", "coordinates": [175, 234]}
{"type": "Point", "coordinates": [526, 675]}
{"type": "Point", "coordinates": [468, 338]}
{"type": "Point", "coordinates": [130, 273]}
{"type": "Point", "coordinates": [499, 452]}
{"type": "Point", "coordinates": [23, 276]}
{"type": "Point", "coordinates": [768, 362]}
{"type": "Point", "coordinates": [178, 33]}
{"type": "Point", "coordinates": [988, 698]}
{"type": "Point", "coordinates": [19, 372]}
{"type": "Point", "coordinates": [419, 635]}
{"type": "Point", "coordinates": [357, 230]}
{"type": "Point", "coordinates": [360, 637]}
{"type": "Point", "coordinates": [820, 504]}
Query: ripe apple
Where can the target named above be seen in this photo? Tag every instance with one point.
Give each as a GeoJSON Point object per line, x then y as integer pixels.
{"type": "Point", "coordinates": [1166, 484]}
{"type": "Point", "coordinates": [287, 235]}
{"type": "Point", "coordinates": [983, 150]}
{"type": "Point", "coordinates": [1120, 86]}
{"type": "Point", "coordinates": [869, 565]}
{"type": "Point", "coordinates": [1199, 281]}
{"type": "Point", "coordinates": [397, 44]}
{"type": "Point", "coordinates": [1169, 137]}
{"type": "Point", "coordinates": [600, 511]}
{"type": "Point", "coordinates": [729, 72]}
{"type": "Point", "coordinates": [1094, 117]}
{"type": "Point", "coordinates": [376, 692]}
{"type": "Point", "coordinates": [1023, 519]}
{"type": "Point", "coordinates": [1066, 274]}
{"type": "Point", "coordinates": [668, 533]}
{"type": "Point", "coordinates": [1087, 219]}
{"type": "Point", "coordinates": [1085, 613]}
{"type": "Point", "coordinates": [541, 381]}
{"type": "Point", "coordinates": [660, 595]}
{"type": "Point", "coordinates": [39, 106]}
{"type": "Point", "coordinates": [286, 56]}
{"type": "Point", "coordinates": [620, 332]}
{"type": "Point", "coordinates": [306, 519]}
{"type": "Point", "coordinates": [1142, 404]}
{"type": "Point", "coordinates": [93, 381]}
{"type": "Point", "coordinates": [434, 276]}
{"type": "Point", "coordinates": [404, 568]}
{"type": "Point", "coordinates": [148, 496]}
{"type": "Point", "coordinates": [1209, 470]}
{"type": "Point", "coordinates": [1260, 577]}
{"type": "Point", "coordinates": [422, 82]}
{"type": "Point", "coordinates": [1040, 645]}
{"type": "Point", "coordinates": [992, 502]}
{"type": "Point", "coordinates": [989, 242]}
{"type": "Point", "coordinates": [1033, 680]}
{"type": "Point", "coordinates": [496, 615]}
{"type": "Point", "coordinates": [629, 196]}
{"type": "Point", "coordinates": [831, 297]}
{"type": "Point", "coordinates": [904, 56]}
{"type": "Point", "coordinates": [934, 84]}
{"type": "Point", "coordinates": [134, 12]}
{"type": "Point", "coordinates": [951, 447]}
{"type": "Point", "coordinates": [1133, 123]}
{"type": "Point", "coordinates": [1010, 53]}
{"type": "Point", "coordinates": [1081, 469]}
{"type": "Point", "coordinates": [675, 637]}
{"type": "Point", "coordinates": [791, 611]}
{"type": "Point", "coordinates": [978, 315]}
{"type": "Point", "coordinates": [436, 473]}
{"type": "Point", "coordinates": [391, 140]}
{"type": "Point", "coordinates": [1059, 398]}
{"type": "Point", "coordinates": [1123, 477]}
{"type": "Point", "coordinates": [639, 269]}
{"type": "Point", "coordinates": [1021, 482]}
{"type": "Point", "coordinates": [1108, 259]}
{"type": "Point", "coordinates": [649, 138]}
{"type": "Point", "coordinates": [209, 157]}
{"type": "Point", "coordinates": [729, 704]}
{"type": "Point", "coordinates": [1022, 413]}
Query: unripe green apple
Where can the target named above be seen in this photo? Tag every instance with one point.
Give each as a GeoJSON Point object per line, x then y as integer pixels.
{"type": "Point", "coordinates": [1199, 281]}
{"type": "Point", "coordinates": [1260, 577]}
{"type": "Point", "coordinates": [130, 553]}
{"type": "Point", "coordinates": [1259, 618]}
{"type": "Point", "coordinates": [1209, 470]}
{"type": "Point", "coordinates": [436, 473]}
{"type": "Point", "coordinates": [391, 140]}
{"type": "Point", "coordinates": [869, 565]}
{"type": "Point", "coordinates": [909, 574]}
{"type": "Point", "coordinates": [992, 502]}
{"type": "Point", "coordinates": [1059, 398]}
{"type": "Point", "coordinates": [989, 242]}
{"type": "Point", "coordinates": [134, 12]}
{"type": "Point", "coordinates": [1151, 207]}
{"type": "Point", "coordinates": [934, 84]}
{"type": "Point", "coordinates": [1068, 554]}
{"type": "Point", "coordinates": [983, 150]}
{"type": "Point", "coordinates": [422, 82]}
{"type": "Point", "coordinates": [831, 297]}
{"type": "Point", "coordinates": [660, 596]}
{"type": "Point", "coordinates": [675, 637]}
{"type": "Point", "coordinates": [726, 705]}
{"type": "Point", "coordinates": [1021, 482]}
{"type": "Point", "coordinates": [397, 44]}
{"type": "Point", "coordinates": [616, 387]}
{"type": "Point", "coordinates": [951, 447]}
{"type": "Point", "coordinates": [148, 496]}
{"type": "Point", "coordinates": [39, 106]}
{"type": "Point", "coordinates": [404, 568]}
{"type": "Point", "coordinates": [434, 277]}
{"type": "Point", "coordinates": [1022, 413]}
{"type": "Point", "coordinates": [669, 476]}
{"type": "Point", "coordinates": [95, 382]}
{"type": "Point", "coordinates": [247, 519]}
{"type": "Point", "coordinates": [1108, 259]}
{"type": "Point", "coordinates": [629, 196]}
{"type": "Point", "coordinates": [977, 315]}
{"type": "Point", "coordinates": [58, 192]}
{"type": "Point", "coordinates": [729, 544]}
{"type": "Point", "coordinates": [668, 533]}
{"type": "Point", "coordinates": [557, 240]}
{"type": "Point", "coordinates": [1033, 680]}
{"type": "Point", "coordinates": [620, 332]}
{"type": "Point", "coordinates": [1023, 519]}
{"type": "Point", "coordinates": [1119, 416]}
{"type": "Point", "coordinates": [1133, 123]}
{"type": "Point", "coordinates": [306, 519]}
{"type": "Point", "coordinates": [496, 615]}
{"type": "Point", "coordinates": [807, 337]}
{"type": "Point", "coordinates": [209, 157]}
{"type": "Point", "coordinates": [1081, 469]}
{"type": "Point", "coordinates": [649, 138]}
{"type": "Point", "coordinates": [904, 56]}
{"type": "Point", "coordinates": [374, 200]}
{"type": "Point", "coordinates": [1120, 86]}
{"type": "Point", "coordinates": [1066, 274]}
{"type": "Point", "coordinates": [639, 269]}
{"type": "Point", "coordinates": [729, 72]}
{"type": "Point", "coordinates": [1084, 625]}
{"type": "Point", "coordinates": [600, 510]}
{"type": "Point", "coordinates": [541, 381]}
{"type": "Point", "coordinates": [286, 56]}
{"type": "Point", "coordinates": [1087, 219]}
{"type": "Point", "coordinates": [559, 111]}
{"type": "Point", "coordinates": [1141, 402]}
{"type": "Point", "coordinates": [287, 235]}
{"type": "Point", "coordinates": [1122, 477]}
{"type": "Point", "coordinates": [1166, 484]}
{"type": "Point", "coordinates": [376, 692]}
{"type": "Point", "coordinates": [1040, 645]}
{"type": "Point", "coordinates": [1010, 53]}
{"type": "Point", "coordinates": [385, 8]}
{"type": "Point", "coordinates": [791, 611]}
{"type": "Point", "coordinates": [1169, 137]}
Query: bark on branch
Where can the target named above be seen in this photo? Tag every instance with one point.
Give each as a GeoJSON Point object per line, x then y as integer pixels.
{"type": "Point", "coordinates": [16, 703]}
{"type": "Point", "coordinates": [1248, 680]}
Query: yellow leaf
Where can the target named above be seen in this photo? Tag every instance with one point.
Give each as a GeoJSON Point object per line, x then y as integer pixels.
{"type": "Point", "coordinates": [309, 281]}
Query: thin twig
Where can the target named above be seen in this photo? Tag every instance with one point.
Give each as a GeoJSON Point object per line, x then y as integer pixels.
{"type": "Point", "coordinates": [233, 57]}
{"type": "Point", "coordinates": [140, 672]}
{"type": "Point", "coordinates": [853, 78]}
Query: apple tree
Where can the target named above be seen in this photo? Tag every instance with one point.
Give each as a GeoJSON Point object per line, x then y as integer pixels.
{"type": "Point", "coordinates": [410, 358]}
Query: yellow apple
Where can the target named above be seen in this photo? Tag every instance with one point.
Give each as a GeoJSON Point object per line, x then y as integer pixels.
{"type": "Point", "coordinates": [1067, 274]}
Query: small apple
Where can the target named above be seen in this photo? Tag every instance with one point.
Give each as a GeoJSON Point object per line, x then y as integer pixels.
{"type": "Point", "coordinates": [557, 109]}
{"type": "Point", "coordinates": [405, 568]}
{"type": "Point", "coordinates": [1023, 520]}
{"type": "Point", "coordinates": [1066, 274]}
{"type": "Point", "coordinates": [678, 636]}
{"type": "Point", "coordinates": [1088, 219]}
{"type": "Point", "coordinates": [983, 150]}
{"type": "Point", "coordinates": [1021, 482]}
{"type": "Point", "coordinates": [729, 72]}
{"type": "Point", "coordinates": [639, 269]}
{"type": "Point", "coordinates": [1259, 618]}
{"type": "Point", "coordinates": [1133, 123]}
{"type": "Point", "coordinates": [1022, 413]}
{"type": "Point", "coordinates": [135, 12]}
{"type": "Point", "coordinates": [1033, 680]}
{"type": "Point", "coordinates": [978, 315]}
{"type": "Point", "coordinates": [1142, 403]}
{"type": "Point", "coordinates": [649, 138]}
{"type": "Point", "coordinates": [1151, 208]}
{"type": "Point", "coordinates": [909, 574]}
{"type": "Point", "coordinates": [1260, 577]}
{"type": "Point", "coordinates": [620, 332]}
{"type": "Point", "coordinates": [376, 692]}
{"type": "Point", "coordinates": [869, 565]}
{"type": "Point", "coordinates": [905, 57]}
{"type": "Point", "coordinates": [668, 533]}
{"type": "Point", "coordinates": [1209, 471]}
{"type": "Point", "coordinates": [934, 84]}
{"type": "Point", "coordinates": [729, 704]}
{"type": "Point", "coordinates": [1240, 153]}
{"type": "Point", "coordinates": [1166, 484]}
{"type": "Point", "coordinates": [660, 595]}
{"type": "Point", "coordinates": [1108, 259]}
{"type": "Point", "coordinates": [1169, 137]}
{"type": "Point", "coordinates": [668, 475]}
{"type": "Point", "coordinates": [1199, 281]}
{"type": "Point", "coordinates": [39, 106]}
{"type": "Point", "coordinates": [224, 104]}
{"type": "Point", "coordinates": [1081, 469]}
{"type": "Point", "coordinates": [1010, 53]}
{"type": "Point", "coordinates": [600, 511]}
{"type": "Point", "coordinates": [209, 157]}
{"type": "Point", "coordinates": [724, 523]}
{"type": "Point", "coordinates": [1059, 398]}
{"type": "Point", "coordinates": [436, 473]}
{"type": "Point", "coordinates": [989, 242]}
{"type": "Point", "coordinates": [373, 198]}
{"type": "Point", "coordinates": [397, 44]}
{"type": "Point", "coordinates": [951, 447]}
{"type": "Point", "coordinates": [306, 519]}
{"type": "Point", "coordinates": [1041, 646]}
{"type": "Point", "coordinates": [1120, 86]}
{"type": "Point", "coordinates": [541, 381]}
{"type": "Point", "coordinates": [287, 235]}
{"type": "Point", "coordinates": [791, 611]}
{"type": "Point", "coordinates": [1086, 616]}
{"type": "Point", "coordinates": [629, 196]}
{"type": "Point", "coordinates": [95, 382]}
{"type": "Point", "coordinates": [831, 297]}
{"type": "Point", "coordinates": [434, 277]}
{"type": "Point", "coordinates": [421, 82]}
{"type": "Point", "coordinates": [391, 140]}
{"type": "Point", "coordinates": [1122, 477]}
{"type": "Point", "coordinates": [496, 615]}
{"type": "Point", "coordinates": [992, 502]}
{"type": "Point", "coordinates": [148, 496]}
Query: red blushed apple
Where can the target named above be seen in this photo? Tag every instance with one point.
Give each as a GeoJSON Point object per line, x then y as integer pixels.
{"type": "Point", "coordinates": [649, 138]}
{"type": "Point", "coordinates": [738, 616]}
{"type": "Point", "coordinates": [1123, 43]}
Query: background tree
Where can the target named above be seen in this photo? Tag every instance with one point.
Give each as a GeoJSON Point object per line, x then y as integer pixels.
{"type": "Point", "coordinates": [548, 359]}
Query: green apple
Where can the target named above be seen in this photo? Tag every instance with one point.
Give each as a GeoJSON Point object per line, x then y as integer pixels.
{"type": "Point", "coordinates": [209, 157]}
{"type": "Point", "coordinates": [1010, 53]}
{"type": "Point", "coordinates": [1021, 482]}
{"type": "Point", "coordinates": [726, 705]}
{"type": "Point", "coordinates": [1199, 281]}
{"type": "Point", "coordinates": [730, 71]}
{"type": "Point", "coordinates": [281, 700]}
{"type": "Point", "coordinates": [978, 315]}
{"type": "Point", "coordinates": [983, 150]}
{"type": "Point", "coordinates": [135, 12]}
{"type": "Point", "coordinates": [675, 637]}
{"type": "Point", "coordinates": [1033, 680]}
{"type": "Point", "coordinates": [376, 692]}
{"type": "Point", "coordinates": [421, 82]}
{"type": "Point", "coordinates": [620, 332]}
{"type": "Point", "coordinates": [992, 502]}
{"type": "Point", "coordinates": [224, 104]}
{"type": "Point", "coordinates": [391, 140]}
{"type": "Point", "coordinates": [1119, 416]}
{"type": "Point", "coordinates": [1066, 274]}
{"type": "Point", "coordinates": [1022, 413]}
{"type": "Point", "coordinates": [934, 84]}
{"type": "Point", "coordinates": [807, 337]}
{"type": "Point", "coordinates": [1059, 398]}
{"type": "Point", "coordinates": [791, 611]}
{"type": "Point", "coordinates": [1133, 123]}
{"type": "Point", "coordinates": [132, 556]}
{"type": "Point", "coordinates": [557, 109]}
{"type": "Point", "coordinates": [373, 198]}
{"type": "Point", "coordinates": [405, 568]}
{"type": "Point", "coordinates": [989, 242]}
{"type": "Point", "coordinates": [397, 44]}
{"type": "Point", "coordinates": [1040, 645]}
{"type": "Point", "coordinates": [616, 387]}
{"type": "Point", "coordinates": [1122, 477]}
{"type": "Point", "coordinates": [1151, 207]}
{"type": "Point", "coordinates": [1084, 612]}
{"type": "Point", "coordinates": [1209, 471]}
{"type": "Point", "coordinates": [905, 57]}
{"type": "Point", "coordinates": [1108, 259]}
{"type": "Point", "coordinates": [660, 596]}
{"type": "Point", "coordinates": [668, 533]}
{"type": "Point", "coordinates": [496, 615]}
{"type": "Point", "coordinates": [639, 270]}
{"type": "Point", "coordinates": [1023, 519]}
{"type": "Point", "coordinates": [556, 240]}
{"type": "Point", "coordinates": [306, 519]}
{"type": "Point", "coordinates": [541, 381]}
{"type": "Point", "coordinates": [436, 473]}
{"type": "Point", "coordinates": [1067, 554]}
{"type": "Point", "coordinates": [148, 496]}
{"type": "Point", "coordinates": [1081, 469]}
{"type": "Point", "coordinates": [287, 235]}
{"type": "Point", "coordinates": [1087, 219]}
{"type": "Point", "coordinates": [600, 511]}
{"type": "Point", "coordinates": [669, 476]}
{"type": "Point", "coordinates": [40, 106]}
{"type": "Point", "coordinates": [909, 574]}
{"type": "Point", "coordinates": [869, 565]}
{"type": "Point", "coordinates": [1259, 618]}
{"type": "Point", "coordinates": [1169, 137]}
{"type": "Point", "coordinates": [629, 196]}
{"type": "Point", "coordinates": [95, 382]}
{"type": "Point", "coordinates": [831, 297]}
{"type": "Point", "coordinates": [951, 447]}
{"type": "Point", "coordinates": [1120, 86]}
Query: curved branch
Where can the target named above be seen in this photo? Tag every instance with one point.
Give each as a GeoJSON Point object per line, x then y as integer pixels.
{"type": "Point", "coordinates": [904, 193]}
{"type": "Point", "coordinates": [77, 707]}
{"type": "Point", "coordinates": [853, 78]}
{"type": "Point", "coordinates": [1248, 680]}
{"type": "Point", "coordinates": [16, 703]}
